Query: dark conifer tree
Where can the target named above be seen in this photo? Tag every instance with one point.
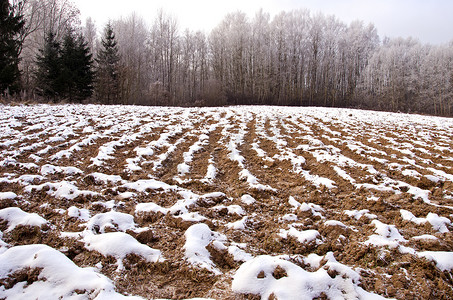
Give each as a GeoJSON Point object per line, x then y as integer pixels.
{"type": "Point", "coordinates": [85, 75]}
{"type": "Point", "coordinates": [107, 85]}
{"type": "Point", "coordinates": [49, 69]}
{"type": "Point", "coordinates": [69, 67]}
{"type": "Point", "coordinates": [66, 72]}
{"type": "Point", "coordinates": [11, 25]}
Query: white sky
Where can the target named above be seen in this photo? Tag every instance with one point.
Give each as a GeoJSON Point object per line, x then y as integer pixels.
{"type": "Point", "coordinates": [431, 21]}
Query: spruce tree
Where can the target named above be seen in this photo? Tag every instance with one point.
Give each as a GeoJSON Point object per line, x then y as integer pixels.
{"type": "Point", "coordinates": [65, 72]}
{"type": "Point", "coordinates": [69, 67]}
{"type": "Point", "coordinates": [85, 75]}
{"type": "Point", "coordinates": [77, 74]}
{"type": "Point", "coordinates": [107, 85]}
{"type": "Point", "coordinates": [11, 25]}
{"type": "Point", "coordinates": [48, 75]}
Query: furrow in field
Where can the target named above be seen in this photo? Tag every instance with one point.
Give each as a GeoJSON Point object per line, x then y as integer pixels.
{"type": "Point", "coordinates": [184, 202]}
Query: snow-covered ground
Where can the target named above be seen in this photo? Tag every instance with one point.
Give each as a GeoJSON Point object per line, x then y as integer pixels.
{"type": "Point", "coordinates": [112, 202]}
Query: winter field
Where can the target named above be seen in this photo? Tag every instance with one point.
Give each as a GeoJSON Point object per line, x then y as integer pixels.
{"type": "Point", "coordinates": [113, 202]}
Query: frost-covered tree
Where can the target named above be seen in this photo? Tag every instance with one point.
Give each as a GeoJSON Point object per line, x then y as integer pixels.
{"type": "Point", "coordinates": [90, 34]}
{"type": "Point", "coordinates": [164, 47]}
{"type": "Point", "coordinates": [392, 78]}
{"type": "Point", "coordinates": [230, 43]}
{"type": "Point", "coordinates": [360, 42]}
{"type": "Point", "coordinates": [260, 61]}
{"type": "Point", "coordinates": [132, 35]}
{"type": "Point", "coordinates": [293, 58]}
{"type": "Point", "coordinates": [436, 79]}
{"type": "Point", "coordinates": [193, 67]}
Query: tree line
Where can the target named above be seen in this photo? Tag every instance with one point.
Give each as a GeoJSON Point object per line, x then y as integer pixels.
{"type": "Point", "coordinates": [294, 58]}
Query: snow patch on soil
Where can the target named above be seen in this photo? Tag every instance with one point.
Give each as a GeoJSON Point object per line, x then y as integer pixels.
{"type": "Point", "coordinates": [15, 216]}
{"type": "Point", "coordinates": [266, 275]}
{"type": "Point", "coordinates": [57, 276]}
{"type": "Point", "coordinates": [198, 237]}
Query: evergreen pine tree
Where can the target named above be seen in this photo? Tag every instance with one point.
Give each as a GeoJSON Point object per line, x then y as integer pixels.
{"type": "Point", "coordinates": [69, 67]}
{"type": "Point", "coordinates": [85, 75]}
{"type": "Point", "coordinates": [11, 25]}
{"type": "Point", "coordinates": [77, 74]}
{"type": "Point", "coordinates": [107, 85]}
{"type": "Point", "coordinates": [48, 75]}
{"type": "Point", "coordinates": [65, 72]}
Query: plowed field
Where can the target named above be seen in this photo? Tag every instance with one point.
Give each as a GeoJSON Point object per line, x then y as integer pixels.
{"type": "Point", "coordinates": [224, 203]}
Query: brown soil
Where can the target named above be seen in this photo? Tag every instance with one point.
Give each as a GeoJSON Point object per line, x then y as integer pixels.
{"type": "Point", "coordinates": [383, 270]}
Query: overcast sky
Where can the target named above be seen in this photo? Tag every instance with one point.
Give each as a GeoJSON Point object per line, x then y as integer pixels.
{"type": "Point", "coordinates": [431, 21]}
